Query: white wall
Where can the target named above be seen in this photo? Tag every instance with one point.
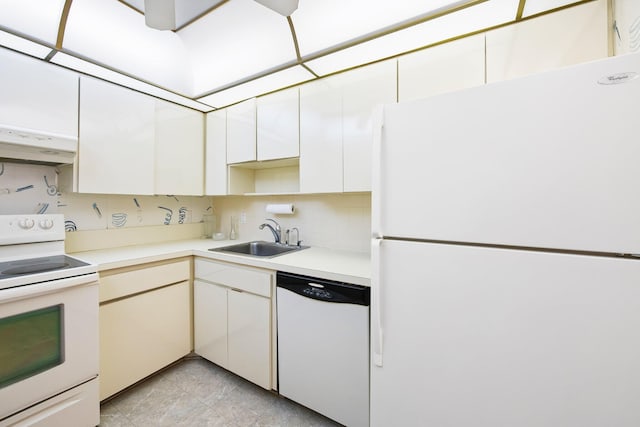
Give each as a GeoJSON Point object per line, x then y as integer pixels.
{"type": "Point", "coordinates": [336, 221]}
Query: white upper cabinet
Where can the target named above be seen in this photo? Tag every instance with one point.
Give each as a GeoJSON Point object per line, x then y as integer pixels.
{"type": "Point", "coordinates": [278, 125]}
{"type": "Point", "coordinates": [336, 128]}
{"type": "Point", "coordinates": [241, 132]}
{"type": "Point", "coordinates": [577, 34]}
{"type": "Point", "coordinates": [116, 141]}
{"type": "Point", "coordinates": [216, 154]}
{"type": "Point", "coordinates": [179, 150]}
{"type": "Point", "coordinates": [321, 136]}
{"type": "Point", "coordinates": [445, 68]}
{"type": "Point", "coordinates": [37, 96]}
{"type": "Point", "coordinates": [364, 88]}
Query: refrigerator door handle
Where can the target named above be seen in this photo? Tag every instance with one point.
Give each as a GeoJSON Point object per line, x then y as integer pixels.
{"type": "Point", "coordinates": [376, 305]}
{"type": "Point", "coordinates": [376, 203]}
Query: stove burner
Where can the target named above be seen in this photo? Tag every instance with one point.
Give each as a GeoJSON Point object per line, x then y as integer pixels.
{"type": "Point", "coordinates": [35, 268]}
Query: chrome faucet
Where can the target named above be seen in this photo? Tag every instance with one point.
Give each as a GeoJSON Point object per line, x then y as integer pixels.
{"type": "Point", "coordinates": [277, 231]}
{"type": "Point", "coordinates": [295, 242]}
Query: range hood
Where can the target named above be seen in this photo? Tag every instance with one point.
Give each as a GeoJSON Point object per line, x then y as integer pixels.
{"type": "Point", "coordinates": [35, 146]}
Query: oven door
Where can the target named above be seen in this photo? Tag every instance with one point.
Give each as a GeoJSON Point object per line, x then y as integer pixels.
{"type": "Point", "coordinates": [49, 336]}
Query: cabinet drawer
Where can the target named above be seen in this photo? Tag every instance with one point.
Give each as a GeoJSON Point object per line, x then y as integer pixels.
{"type": "Point", "coordinates": [142, 278]}
{"type": "Point", "coordinates": [246, 279]}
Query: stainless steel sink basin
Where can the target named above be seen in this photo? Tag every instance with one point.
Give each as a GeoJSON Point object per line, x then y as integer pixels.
{"type": "Point", "coordinates": [259, 249]}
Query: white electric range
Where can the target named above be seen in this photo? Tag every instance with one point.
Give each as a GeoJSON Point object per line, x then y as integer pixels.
{"type": "Point", "coordinates": [48, 327]}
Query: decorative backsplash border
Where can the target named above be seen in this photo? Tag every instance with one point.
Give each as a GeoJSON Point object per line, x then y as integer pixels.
{"type": "Point", "coordinates": [99, 211]}
{"type": "Point", "coordinates": [32, 189]}
{"type": "Point", "coordinates": [28, 189]}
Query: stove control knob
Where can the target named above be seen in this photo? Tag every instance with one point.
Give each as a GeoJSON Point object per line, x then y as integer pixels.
{"type": "Point", "coordinates": [45, 224]}
{"type": "Point", "coordinates": [26, 223]}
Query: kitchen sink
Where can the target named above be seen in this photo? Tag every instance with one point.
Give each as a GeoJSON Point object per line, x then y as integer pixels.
{"type": "Point", "coordinates": [259, 249]}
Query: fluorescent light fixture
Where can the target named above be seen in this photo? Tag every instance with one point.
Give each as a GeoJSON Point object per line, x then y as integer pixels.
{"type": "Point", "coordinates": [124, 43]}
{"type": "Point", "coordinates": [283, 7]}
{"type": "Point", "coordinates": [275, 81]}
{"type": "Point", "coordinates": [24, 46]}
{"type": "Point", "coordinates": [241, 39]}
{"type": "Point", "coordinates": [91, 69]}
{"type": "Point", "coordinates": [465, 21]}
{"type": "Point", "coordinates": [160, 14]}
{"type": "Point", "coordinates": [321, 24]}
{"type": "Point", "coordinates": [37, 18]}
{"type": "Point", "coordinates": [538, 6]}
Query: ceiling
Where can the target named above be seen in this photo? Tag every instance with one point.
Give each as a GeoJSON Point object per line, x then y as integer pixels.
{"type": "Point", "coordinates": [225, 51]}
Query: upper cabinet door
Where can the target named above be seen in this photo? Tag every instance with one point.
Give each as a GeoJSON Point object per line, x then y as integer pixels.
{"type": "Point", "coordinates": [37, 96]}
{"type": "Point", "coordinates": [321, 136]}
{"type": "Point", "coordinates": [278, 125]}
{"type": "Point", "coordinates": [445, 68]}
{"type": "Point", "coordinates": [116, 142]}
{"type": "Point", "coordinates": [241, 132]}
{"type": "Point", "coordinates": [216, 154]}
{"type": "Point", "coordinates": [336, 129]}
{"type": "Point", "coordinates": [363, 89]}
{"type": "Point", "coordinates": [577, 34]}
{"type": "Point", "coordinates": [179, 150]}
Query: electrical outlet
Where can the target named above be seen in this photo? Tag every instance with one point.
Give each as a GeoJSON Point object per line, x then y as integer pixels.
{"type": "Point", "coordinates": [243, 217]}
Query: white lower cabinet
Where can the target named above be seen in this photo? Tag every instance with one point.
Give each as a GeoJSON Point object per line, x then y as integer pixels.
{"type": "Point", "coordinates": [249, 336]}
{"type": "Point", "coordinates": [232, 319]}
{"type": "Point", "coordinates": [210, 322]}
{"type": "Point", "coordinates": [145, 322]}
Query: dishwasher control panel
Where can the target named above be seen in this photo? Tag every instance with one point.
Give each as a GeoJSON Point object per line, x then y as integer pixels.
{"type": "Point", "coordinates": [317, 293]}
{"type": "Point", "coordinates": [324, 290]}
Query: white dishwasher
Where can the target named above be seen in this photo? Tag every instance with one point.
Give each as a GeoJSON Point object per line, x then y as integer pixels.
{"type": "Point", "coordinates": [323, 346]}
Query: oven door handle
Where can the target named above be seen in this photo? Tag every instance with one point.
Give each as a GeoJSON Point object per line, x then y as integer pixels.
{"type": "Point", "coordinates": [28, 291]}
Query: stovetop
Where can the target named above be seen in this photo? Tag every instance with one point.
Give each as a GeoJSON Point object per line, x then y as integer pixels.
{"type": "Point", "coordinates": [32, 251]}
{"type": "Point", "coordinates": [10, 269]}
{"type": "Point", "coordinates": [42, 269]}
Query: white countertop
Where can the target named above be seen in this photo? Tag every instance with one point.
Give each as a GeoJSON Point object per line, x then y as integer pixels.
{"type": "Point", "coordinates": [344, 266]}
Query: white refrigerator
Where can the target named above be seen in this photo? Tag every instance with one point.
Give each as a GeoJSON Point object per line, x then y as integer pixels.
{"type": "Point", "coordinates": [506, 237]}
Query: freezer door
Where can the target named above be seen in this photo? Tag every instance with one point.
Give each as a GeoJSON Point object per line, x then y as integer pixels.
{"type": "Point", "coordinates": [550, 160]}
{"type": "Point", "coordinates": [493, 337]}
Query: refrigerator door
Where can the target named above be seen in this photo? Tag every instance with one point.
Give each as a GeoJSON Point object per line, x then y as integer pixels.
{"type": "Point", "coordinates": [549, 160]}
{"type": "Point", "coordinates": [491, 337]}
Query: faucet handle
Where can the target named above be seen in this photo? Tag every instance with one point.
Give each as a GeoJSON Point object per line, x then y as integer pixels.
{"type": "Point", "coordinates": [298, 241]}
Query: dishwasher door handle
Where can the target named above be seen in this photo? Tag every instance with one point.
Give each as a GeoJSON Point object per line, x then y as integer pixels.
{"type": "Point", "coordinates": [315, 285]}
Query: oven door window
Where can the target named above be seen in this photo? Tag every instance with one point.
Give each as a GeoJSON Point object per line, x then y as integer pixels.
{"type": "Point", "coordinates": [32, 343]}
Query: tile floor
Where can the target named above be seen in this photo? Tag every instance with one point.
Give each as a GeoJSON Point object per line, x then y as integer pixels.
{"type": "Point", "coordinates": [196, 393]}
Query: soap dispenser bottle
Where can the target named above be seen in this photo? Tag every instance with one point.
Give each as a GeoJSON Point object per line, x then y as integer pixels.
{"type": "Point", "coordinates": [233, 234]}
